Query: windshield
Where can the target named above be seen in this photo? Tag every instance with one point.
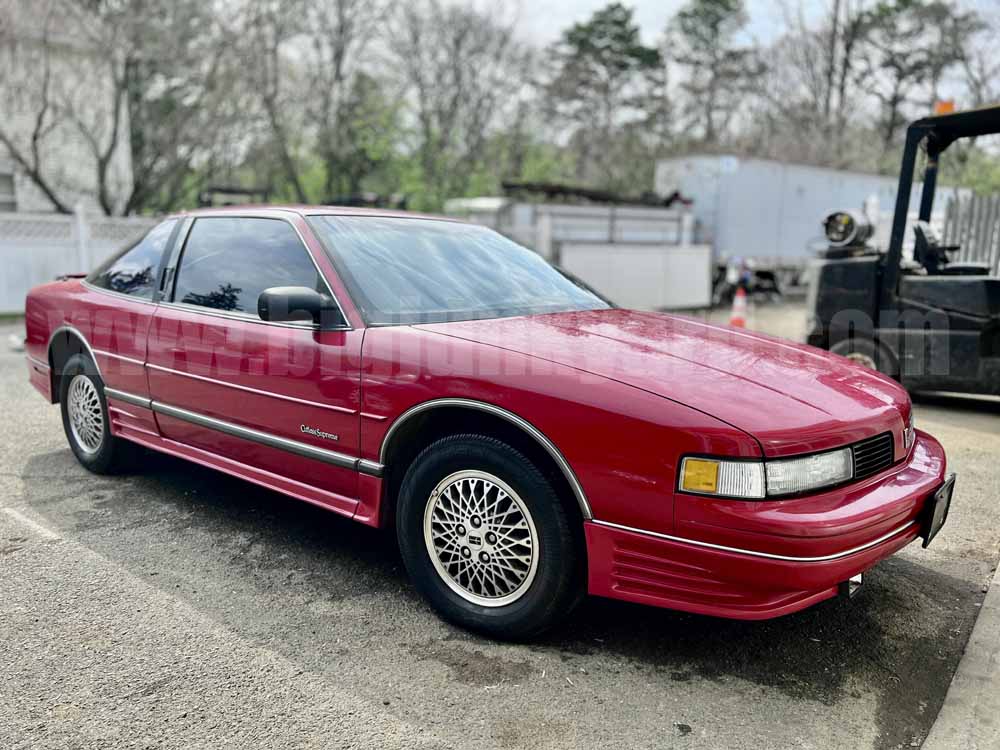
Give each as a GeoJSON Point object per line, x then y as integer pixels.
{"type": "Point", "coordinates": [401, 271]}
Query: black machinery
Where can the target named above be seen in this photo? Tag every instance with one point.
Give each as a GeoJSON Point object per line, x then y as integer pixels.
{"type": "Point", "coordinates": [931, 323]}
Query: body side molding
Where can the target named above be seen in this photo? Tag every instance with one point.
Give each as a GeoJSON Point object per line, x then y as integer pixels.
{"type": "Point", "coordinates": [333, 458]}
{"type": "Point", "coordinates": [128, 398]}
{"type": "Point", "coordinates": [37, 362]}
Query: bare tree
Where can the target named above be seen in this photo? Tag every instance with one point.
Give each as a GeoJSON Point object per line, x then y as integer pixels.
{"type": "Point", "coordinates": [604, 80]}
{"type": "Point", "coordinates": [104, 132]}
{"type": "Point", "coordinates": [268, 28]}
{"type": "Point", "coordinates": [183, 100]}
{"type": "Point", "coordinates": [157, 95]}
{"type": "Point", "coordinates": [464, 69]}
{"type": "Point", "coordinates": [807, 102]}
{"type": "Point", "coordinates": [30, 88]}
{"type": "Point", "coordinates": [94, 99]}
{"type": "Point", "coordinates": [718, 70]}
{"type": "Point", "coordinates": [841, 91]}
{"type": "Point", "coordinates": [909, 46]}
{"type": "Point", "coordinates": [339, 32]}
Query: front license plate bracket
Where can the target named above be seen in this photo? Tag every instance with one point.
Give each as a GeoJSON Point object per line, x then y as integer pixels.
{"type": "Point", "coordinates": [936, 512]}
{"type": "Point", "coordinates": [852, 586]}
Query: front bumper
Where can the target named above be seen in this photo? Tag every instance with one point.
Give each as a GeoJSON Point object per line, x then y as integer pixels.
{"type": "Point", "coordinates": [767, 579]}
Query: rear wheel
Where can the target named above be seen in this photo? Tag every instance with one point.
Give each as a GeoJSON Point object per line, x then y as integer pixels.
{"type": "Point", "coordinates": [867, 353]}
{"type": "Point", "coordinates": [86, 422]}
{"type": "Point", "coordinates": [486, 538]}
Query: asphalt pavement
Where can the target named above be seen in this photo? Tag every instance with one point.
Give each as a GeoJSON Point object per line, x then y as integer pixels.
{"type": "Point", "coordinates": [178, 607]}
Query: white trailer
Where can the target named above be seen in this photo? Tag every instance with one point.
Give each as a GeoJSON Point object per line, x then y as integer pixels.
{"type": "Point", "coordinates": [640, 257]}
{"type": "Point", "coordinates": [771, 211]}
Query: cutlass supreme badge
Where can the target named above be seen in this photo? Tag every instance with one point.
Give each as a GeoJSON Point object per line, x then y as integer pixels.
{"type": "Point", "coordinates": [318, 433]}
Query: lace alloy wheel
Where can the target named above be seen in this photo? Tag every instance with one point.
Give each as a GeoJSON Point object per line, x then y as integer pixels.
{"type": "Point", "coordinates": [86, 416]}
{"type": "Point", "coordinates": [481, 538]}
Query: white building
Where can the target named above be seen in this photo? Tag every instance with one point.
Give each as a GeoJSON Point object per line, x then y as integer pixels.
{"type": "Point", "coordinates": [46, 64]}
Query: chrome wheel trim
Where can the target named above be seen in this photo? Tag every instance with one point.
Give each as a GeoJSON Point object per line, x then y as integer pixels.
{"type": "Point", "coordinates": [862, 359]}
{"type": "Point", "coordinates": [481, 538]}
{"type": "Point", "coordinates": [86, 415]}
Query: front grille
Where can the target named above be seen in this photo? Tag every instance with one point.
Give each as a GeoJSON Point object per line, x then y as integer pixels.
{"type": "Point", "coordinates": [872, 455]}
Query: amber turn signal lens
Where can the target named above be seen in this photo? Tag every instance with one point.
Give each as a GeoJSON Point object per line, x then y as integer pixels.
{"type": "Point", "coordinates": [700, 475]}
{"type": "Point", "coordinates": [708, 476]}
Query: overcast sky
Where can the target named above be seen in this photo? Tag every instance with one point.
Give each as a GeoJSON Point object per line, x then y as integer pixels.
{"type": "Point", "coordinates": [543, 20]}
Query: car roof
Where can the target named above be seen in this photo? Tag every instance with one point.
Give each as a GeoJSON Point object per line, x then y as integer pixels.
{"type": "Point", "coordinates": [269, 210]}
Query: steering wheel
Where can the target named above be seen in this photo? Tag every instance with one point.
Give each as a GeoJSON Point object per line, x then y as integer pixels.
{"type": "Point", "coordinates": [926, 250]}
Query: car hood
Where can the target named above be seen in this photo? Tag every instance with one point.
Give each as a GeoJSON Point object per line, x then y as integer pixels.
{"type": "Point", "coordinates": [792, 398]}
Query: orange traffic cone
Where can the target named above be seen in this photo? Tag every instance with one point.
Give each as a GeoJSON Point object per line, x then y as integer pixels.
{"type": "Point", "coordinates": [738, 317]}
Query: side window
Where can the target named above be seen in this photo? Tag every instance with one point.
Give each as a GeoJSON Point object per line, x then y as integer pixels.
{"type": "Point", "coordinates": [133, 271]}
{"type": "Point", "coordinates": [228, 262]}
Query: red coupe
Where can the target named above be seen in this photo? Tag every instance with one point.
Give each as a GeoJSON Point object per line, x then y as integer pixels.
{"type": "Point", "coordinates": [529, 442]}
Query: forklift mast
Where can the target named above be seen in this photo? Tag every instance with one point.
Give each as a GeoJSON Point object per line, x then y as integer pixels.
{"type": "Point", "coordinates": [939, 132]}
{"type": "Point", "coordinates": [932, 326]}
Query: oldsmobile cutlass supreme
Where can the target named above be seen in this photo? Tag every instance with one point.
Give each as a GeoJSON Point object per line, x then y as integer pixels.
{"type": "Point", "coordinates": [528, 441]}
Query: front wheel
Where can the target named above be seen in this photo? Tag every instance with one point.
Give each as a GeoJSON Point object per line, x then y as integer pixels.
{"type": "Point", "coordinates": [867, 353]}
{"type": "Point", "coordinates": [486, 538]}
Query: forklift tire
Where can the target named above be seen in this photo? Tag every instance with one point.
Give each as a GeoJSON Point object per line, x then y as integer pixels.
{"type": "Point", "coordinates": [864, 351]}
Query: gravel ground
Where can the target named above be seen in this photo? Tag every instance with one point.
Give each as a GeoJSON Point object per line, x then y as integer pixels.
{"type": "Point", "coordinates": [177, 607]}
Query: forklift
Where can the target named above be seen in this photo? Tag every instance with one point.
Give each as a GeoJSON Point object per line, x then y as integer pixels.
{"type": "Point", "coordinates": [929, 322]}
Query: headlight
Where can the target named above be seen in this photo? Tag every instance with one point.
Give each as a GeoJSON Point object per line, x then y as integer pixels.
{"type": "Point", "coordinates": [843, 228]}
{"type": "Point", "coordinates": [801, 474]}
{"type": "Point", "coordinates": [755, 480]}
{"type": "Point", "coordinates": [911, 433]}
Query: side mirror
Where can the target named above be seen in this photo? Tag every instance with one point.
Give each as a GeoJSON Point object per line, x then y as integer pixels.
{"type": "Point", "coordinates": [291, 304]}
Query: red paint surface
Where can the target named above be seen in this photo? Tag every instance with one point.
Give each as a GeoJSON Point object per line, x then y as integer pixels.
{"type": "Point", "coordinates": [623, 395]}
{"type": "Point", "coordinates": [191, 355]}
{"type": "Point", "coordinates": [790, 397]}
{"type": "Point", "coordinates": [665, 573]}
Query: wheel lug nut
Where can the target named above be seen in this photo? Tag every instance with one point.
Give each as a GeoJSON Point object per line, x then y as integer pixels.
{"type": "Point", "coordinates": [476, 523]}
{"type": "Point", "coordinates": [483, 557]}
{"type": "Point", "coordinates": [460, 530]}
{"type": "Point", "coordinates": [491, 538]}
{"type": "Point", "coordinates": [466, 552]}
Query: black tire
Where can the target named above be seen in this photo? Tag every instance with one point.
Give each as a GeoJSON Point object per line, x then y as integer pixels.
{"type": "Point", "coordinates": [865, 351]}
{"type": "Point", "coordinates": [112, 455]}
{"type": "Point", "coordinates": [557, 583]}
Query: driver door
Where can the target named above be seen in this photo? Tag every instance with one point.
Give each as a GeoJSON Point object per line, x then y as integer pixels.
{"type": "Point", "coordinates": [282, 398]}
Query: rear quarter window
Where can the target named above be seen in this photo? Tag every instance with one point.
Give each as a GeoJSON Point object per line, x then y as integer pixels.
{"type": "Point", "coordinates": [133, 271]}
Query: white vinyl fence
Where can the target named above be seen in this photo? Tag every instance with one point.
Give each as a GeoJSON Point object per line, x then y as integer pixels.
{"type": "Point", "coordinates": [36, 248]}
{"type": "Point", "coordinates": [973, 221]}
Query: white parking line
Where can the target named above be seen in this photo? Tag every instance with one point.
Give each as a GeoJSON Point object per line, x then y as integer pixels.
{"type": "Point", "coordinates": [34, 525]}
